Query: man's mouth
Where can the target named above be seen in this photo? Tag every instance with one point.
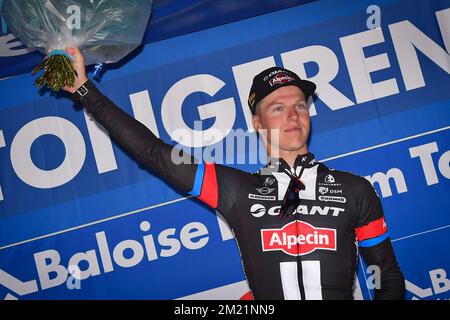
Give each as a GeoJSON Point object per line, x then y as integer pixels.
{"type": "Point", "coordinates": [295, 129]}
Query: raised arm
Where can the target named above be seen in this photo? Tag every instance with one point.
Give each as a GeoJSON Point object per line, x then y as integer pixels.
{"type": "Point", "coordinates": [203, 180]}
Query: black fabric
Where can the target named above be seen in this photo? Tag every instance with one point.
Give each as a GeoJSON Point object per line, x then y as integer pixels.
{"type": "Point", "coordinates": [392, 283]}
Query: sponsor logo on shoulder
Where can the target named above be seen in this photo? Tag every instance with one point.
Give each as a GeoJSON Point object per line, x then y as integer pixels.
{"type": "Point", "coordinates": [260, 197]}
{"type": "Point", "coordinates": [265, 190]}
{"type": "Point", "coordinates": [329, 180]}
{"type": "Point", "coordinates": [333, 199]}
{"type": "Point", "coordinates": [323, 190]}
{"type": "Point", "coordinates": [269, 181]}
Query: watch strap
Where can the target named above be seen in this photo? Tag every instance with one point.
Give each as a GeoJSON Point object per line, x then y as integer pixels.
{"type": "Point", "coordinates": [82, 91]}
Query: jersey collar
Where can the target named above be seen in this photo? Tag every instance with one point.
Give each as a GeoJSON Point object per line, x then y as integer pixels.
{"type": "Point", "coordinates": [303, 160]}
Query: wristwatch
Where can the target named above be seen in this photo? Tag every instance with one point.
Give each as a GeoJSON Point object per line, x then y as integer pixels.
{"type": "Point", "coordinates": [82, 91]}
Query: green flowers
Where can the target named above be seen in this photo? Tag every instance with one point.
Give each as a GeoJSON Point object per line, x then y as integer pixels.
{"type": "Point", "coordinates": [58, 71]}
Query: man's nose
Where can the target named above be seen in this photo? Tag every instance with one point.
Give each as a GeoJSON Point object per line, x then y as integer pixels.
{"type": "Point", "coordinates": [292, 113]}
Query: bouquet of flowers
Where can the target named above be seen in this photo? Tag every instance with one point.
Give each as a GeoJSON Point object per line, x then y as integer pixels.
{"type": "Point", "coordinates": [105, 31]}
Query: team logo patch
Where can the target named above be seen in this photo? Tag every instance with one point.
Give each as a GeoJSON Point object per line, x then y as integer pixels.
{"type": "Point", "coordinates": [298, 238]}
{"type": "Point", "coordinates": [280, 78]}
{"type": "Point", "coordinates": [329, 179]}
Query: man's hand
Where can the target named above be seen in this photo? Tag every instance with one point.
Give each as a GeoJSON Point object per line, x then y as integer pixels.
{"type": "Point", "coordinates": [80, 68]}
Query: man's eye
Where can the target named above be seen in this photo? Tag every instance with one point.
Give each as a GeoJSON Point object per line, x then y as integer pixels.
{"type": "Point", "coordinates": [277, 108]}
{"type": "Point", "coordinates": [301, 106]}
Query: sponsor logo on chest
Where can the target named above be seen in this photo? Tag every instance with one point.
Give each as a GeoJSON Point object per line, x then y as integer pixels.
{"type": "Point", "coordinates": [333, 199]}
{"type": "Point", "coordinates": [258, 210]}
{"type": "Point", "coordinates": [328, 181]}
{"type": "Point", "coordinates": [298, 238]}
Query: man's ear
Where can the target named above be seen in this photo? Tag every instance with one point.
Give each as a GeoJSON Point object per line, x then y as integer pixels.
{"type": "Point", "coordinates": [256, 122]}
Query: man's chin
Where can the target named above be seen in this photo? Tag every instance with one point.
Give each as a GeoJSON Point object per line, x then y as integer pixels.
{"type": "Point", "coordinates": [299, 148]}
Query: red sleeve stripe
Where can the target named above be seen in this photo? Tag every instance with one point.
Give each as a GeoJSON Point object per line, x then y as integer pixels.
{"type": "Point", "coordinates": [371, 230]}
{"type": "Point", "coordinates": [209, 194]}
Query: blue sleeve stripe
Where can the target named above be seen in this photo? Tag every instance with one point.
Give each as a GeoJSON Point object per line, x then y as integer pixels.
{"type": "Point", "coordinates": [198, 182]}
{"type": "Point", "coordinates": [373, 241]}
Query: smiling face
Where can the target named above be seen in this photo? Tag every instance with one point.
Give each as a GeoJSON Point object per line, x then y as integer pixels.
{"type": "Point", "coordinates": [286, 110]}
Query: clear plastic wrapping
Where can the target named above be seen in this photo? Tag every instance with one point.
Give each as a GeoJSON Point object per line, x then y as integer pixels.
{"type": "Point", "coordinates": [104, 30]}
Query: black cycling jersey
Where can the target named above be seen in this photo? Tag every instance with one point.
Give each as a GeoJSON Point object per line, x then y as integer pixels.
{"type": "Point", "coordinates": [311, 254]}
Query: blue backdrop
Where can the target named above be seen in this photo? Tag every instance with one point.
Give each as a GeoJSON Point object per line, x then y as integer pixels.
{"type": "Point", "coordinates": [70, 196]}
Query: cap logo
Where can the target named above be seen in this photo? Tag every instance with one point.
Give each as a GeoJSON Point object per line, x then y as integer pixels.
{"type": "Point", "coordinates": [272, 73]}
{"type": "Point", "coordinates": [280, 78]}
{"type": "Point", "coordinates": [251, 99]}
